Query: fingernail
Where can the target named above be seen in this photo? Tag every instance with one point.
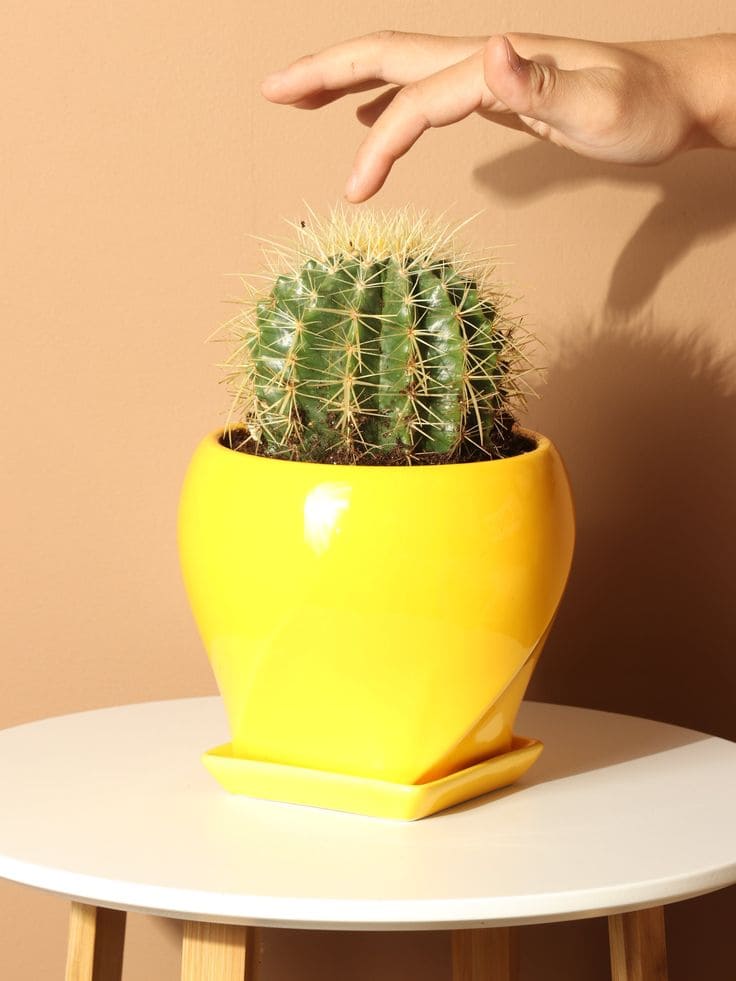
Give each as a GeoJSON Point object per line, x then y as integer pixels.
{"type": "Point", "coordinates": [515, 62]}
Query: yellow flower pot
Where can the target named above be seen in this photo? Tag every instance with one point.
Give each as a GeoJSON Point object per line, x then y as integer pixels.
{"type": "Point", "coordinates": [372, 629]}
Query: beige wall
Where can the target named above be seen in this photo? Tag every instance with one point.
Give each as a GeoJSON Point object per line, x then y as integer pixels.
{"type": "Point", "coordinates": [138, 156]}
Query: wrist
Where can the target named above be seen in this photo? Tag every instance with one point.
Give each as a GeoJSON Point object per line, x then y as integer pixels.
{"type": "Point", "coordinates": [704, 72]}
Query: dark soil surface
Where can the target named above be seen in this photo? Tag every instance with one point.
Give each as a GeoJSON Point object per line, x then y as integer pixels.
{"type": "Point", "coordinates": [513, 443]}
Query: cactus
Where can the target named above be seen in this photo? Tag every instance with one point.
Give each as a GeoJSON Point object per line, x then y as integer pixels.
{"type": "Point", "coordinates": [379, 341]}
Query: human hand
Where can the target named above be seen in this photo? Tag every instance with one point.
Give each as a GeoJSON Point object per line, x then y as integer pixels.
{"type": "Point", "coordinates": [628, 103]}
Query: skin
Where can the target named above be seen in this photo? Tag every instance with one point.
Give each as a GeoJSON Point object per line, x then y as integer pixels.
{"type": "Point", "coordinates": [634, 103]}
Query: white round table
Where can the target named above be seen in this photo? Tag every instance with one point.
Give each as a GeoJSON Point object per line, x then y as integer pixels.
{"type": "Point", "coordinates": [114, 809]}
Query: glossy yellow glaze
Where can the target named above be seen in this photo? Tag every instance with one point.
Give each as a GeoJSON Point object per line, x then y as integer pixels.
{"type": "Point", "coordinates": [375, 621]}
{"type": "Point", "coordinates": [364, 795]}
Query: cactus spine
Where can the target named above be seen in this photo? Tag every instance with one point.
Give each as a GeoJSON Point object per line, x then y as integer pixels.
{"type": "Point", "coordinates": [379, 341]}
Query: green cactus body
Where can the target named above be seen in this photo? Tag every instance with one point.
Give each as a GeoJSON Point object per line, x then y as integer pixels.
{"type": "Point", "coordinates": [369, 354]}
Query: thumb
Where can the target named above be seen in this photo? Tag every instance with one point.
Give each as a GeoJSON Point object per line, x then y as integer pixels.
{"type": "Point", "coordinates": [532, 89]}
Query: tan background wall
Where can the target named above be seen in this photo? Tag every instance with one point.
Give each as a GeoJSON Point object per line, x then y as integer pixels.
{"type": "Point", "coordinates": [137, 156]}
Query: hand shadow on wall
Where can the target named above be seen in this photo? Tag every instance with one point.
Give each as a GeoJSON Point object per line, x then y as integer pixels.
{"type": "Point", "coordinates": [645, 420]}
{"type": "Point", "coordinates": [697, 201]}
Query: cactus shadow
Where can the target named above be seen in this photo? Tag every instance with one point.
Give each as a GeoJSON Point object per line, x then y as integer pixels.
{"type": "Point", "coordinates": [696, 202]}
{"type": "Point", "coordinates": [644, 419]}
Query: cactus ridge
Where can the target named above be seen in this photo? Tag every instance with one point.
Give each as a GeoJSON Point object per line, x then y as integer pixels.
{"type": "Point", "coordinates": [379, 340]}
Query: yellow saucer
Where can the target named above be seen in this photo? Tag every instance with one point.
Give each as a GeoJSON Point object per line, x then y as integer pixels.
{"type": "Point", "coordinates": [363, 795]}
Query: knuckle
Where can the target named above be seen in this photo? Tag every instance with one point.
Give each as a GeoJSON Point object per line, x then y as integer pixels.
{"type": "Point", "coordinates": [305, 60]}
{"type": "Point", "coordinates": [617, 109]}
{"type": "Point", "coordinates": [408, 96]}
{"type": "Point", "coordinates": [386, 36]}
{"type": "Point", "coordinates": [611, 113]}
{"type": "Point", "coordinates": [411, 102]}
{"type": "Point", "coordinates": [543, 83]}
{"type": "Point", "coordinates": [411, 92]}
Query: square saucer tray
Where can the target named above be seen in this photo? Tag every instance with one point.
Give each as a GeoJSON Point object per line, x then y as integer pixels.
{"type": "Point", "coordinates": [364, 795]}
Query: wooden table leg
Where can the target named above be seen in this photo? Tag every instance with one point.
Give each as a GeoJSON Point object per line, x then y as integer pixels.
{"type": "Point", "coordinates": [638, 945]}
{"type": "Point", "coordinates": [95, 949]}
{"type": "Point", "coordinates": [214, 951]}
{"type": "Point", "coordinates": [485, 954]}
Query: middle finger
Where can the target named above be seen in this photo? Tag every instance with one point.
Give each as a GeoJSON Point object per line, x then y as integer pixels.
{"type": "Point", "coordinates": [385, 57]}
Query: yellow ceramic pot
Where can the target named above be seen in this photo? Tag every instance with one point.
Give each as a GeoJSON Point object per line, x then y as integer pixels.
{"type": "Point", "coordinates": [377, 622]}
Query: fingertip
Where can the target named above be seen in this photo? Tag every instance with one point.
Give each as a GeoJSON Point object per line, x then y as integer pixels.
{"type": "Point", "coordinates": [495, 48]}
{"type": "Point", "coordinates": [352, 189]}
{"type": "Point", "coordinates": [272, 85]}
{"type": "Point", "coordinates": [500, 56]}
{"type": "Point", "coordinates": [359, 189]}
{"type": "Point", "coordinates": [506, 73]}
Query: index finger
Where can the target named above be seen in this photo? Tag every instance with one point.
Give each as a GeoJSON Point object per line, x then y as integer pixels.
{"type": "Point", "coordinates": [370, 61]}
